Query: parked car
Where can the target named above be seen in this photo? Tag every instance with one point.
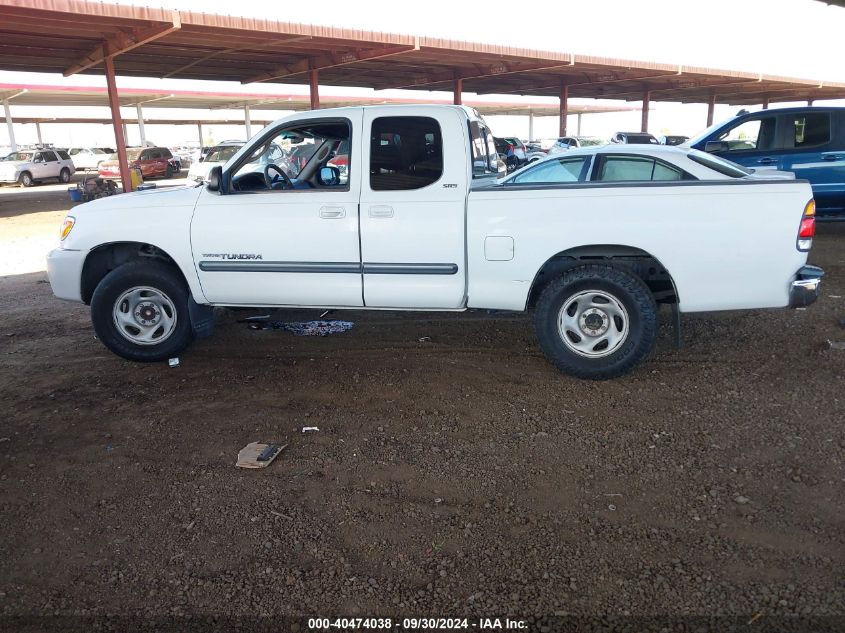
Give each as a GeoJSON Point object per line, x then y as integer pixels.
{"type": "Point", "coordinates": [217, 155]}
{"type": "Point", "coordinates": [634, 138]}
{"type": "Point", "coordinates": [32, 166]}
{"type": "Point", "coordinates": [565, 143]}
{"type": "Point", "coordinates": [809, 141]}
{"type": "Point", "coordinates": [154, 162]}
{"type": "Point", "coordinates": [512, 151]}
{"type": "Point", "coordinates": [672, 139]}
{"type": "Point", "coordinates": [85, 158]}
{"type": "Point", "coordinates": [416, 227]}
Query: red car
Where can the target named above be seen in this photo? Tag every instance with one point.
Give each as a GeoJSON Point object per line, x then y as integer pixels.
{"type": "Point", "coordinates": [152, 161]}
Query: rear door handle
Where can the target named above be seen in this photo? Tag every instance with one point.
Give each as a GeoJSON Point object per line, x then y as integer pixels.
{"type": "Point", "coordinates": [381, 211]}
{"type": "Point", "coordinates": [331, 213]}
{"type": "Point", "coordinates": [767, 161]}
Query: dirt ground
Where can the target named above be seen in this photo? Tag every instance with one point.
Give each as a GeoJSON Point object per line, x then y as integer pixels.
{"type": "Point", "coordinates": [458, 475]}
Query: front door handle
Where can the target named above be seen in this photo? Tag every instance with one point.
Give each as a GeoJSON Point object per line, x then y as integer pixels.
{"type": "Point", "coordinates": [831, 157]}
{"type": "Point", "coordinates": [332, 213]}
{"type": "Point", "coordinates": [381, 211]}
{"type": "Point", "coordinates": [767, 161]}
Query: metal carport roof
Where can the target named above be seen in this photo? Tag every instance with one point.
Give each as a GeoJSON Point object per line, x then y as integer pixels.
{"type": "Point", "coordinates": [74, 36]}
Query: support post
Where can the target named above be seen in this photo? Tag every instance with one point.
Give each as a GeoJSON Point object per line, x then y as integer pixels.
{"type": "Point", "coordinates": [530, 124]}
{"type": "Point", "coordinates": [457, 91]}
{"type": "Point", "coordinates": [711, 109]}
{"type": "Point", "coordinates": [247, 123]}
{"type": "Point", "coordinates": [564, 108]}
{"type": "Point", "coordinates": [578, 131]}
{"type": "Point", "coordinates": [141, 124]}
{"type": "Point", "coordinates": [38, 131]}
{"type": "Point", "coordinates": [117, 122]}
{"type": "Point", "coordinates": [314, 84]}
{"type": "Point", "coordinates": [810, 102]}
{"type": "Point", "coordinates": [199, 133]}
{"type": "Point", "coordinates": [646, 104]}
{"type": "Point", "coordinates": [9, 125]}
{"type": "Point", "coordinates": [766, 103]}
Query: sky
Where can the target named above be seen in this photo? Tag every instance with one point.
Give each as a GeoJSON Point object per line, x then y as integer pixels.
{"type": "Point", "coordinates": [798, 38]}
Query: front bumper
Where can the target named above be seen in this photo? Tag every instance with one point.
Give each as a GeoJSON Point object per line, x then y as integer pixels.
{"type": "Point", "coordinates": [8, 177]}
{"type": "Point", "coordinates": [804, 289]}
{"type": "Point", "coordinates": [64, 269]}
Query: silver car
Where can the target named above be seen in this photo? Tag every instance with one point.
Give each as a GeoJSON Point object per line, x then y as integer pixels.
{"type": "Point", "coordinates": [31, 166]}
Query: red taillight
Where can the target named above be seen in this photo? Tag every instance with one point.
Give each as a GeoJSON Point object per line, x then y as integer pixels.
{"type": "Point", "coordinates": [807, 229]}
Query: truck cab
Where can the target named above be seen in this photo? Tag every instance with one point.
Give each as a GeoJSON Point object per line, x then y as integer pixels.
{"type": "Point", "coordinates": [808, 141]}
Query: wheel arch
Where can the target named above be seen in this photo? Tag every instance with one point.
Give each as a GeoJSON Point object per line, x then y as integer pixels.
{"type": "Point", "coordinates": [104, 258]}
{"type": "Point", "coordinates": [630, 258]}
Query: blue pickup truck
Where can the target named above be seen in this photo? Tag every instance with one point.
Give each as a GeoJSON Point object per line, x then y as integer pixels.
{"type": "Point", "coordinates": [808, 141]}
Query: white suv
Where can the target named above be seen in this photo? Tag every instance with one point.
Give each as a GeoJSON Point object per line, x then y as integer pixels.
{"type": "Point", "coordinates": [30, 166]}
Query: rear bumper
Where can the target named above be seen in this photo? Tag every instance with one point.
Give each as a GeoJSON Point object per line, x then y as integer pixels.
{"type": "Point", "coordinates": [64, 269]}
{"type": "Point", "coordinates": [804, 289]}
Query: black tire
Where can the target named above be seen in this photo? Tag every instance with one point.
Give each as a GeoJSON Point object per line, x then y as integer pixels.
{"type": "Point", "coordinates": [25, 179]}
{"type": "Point", "coordinates": [169, 172]}
{"type": "Point", "coordinates": [162, 278]}
{"type": "Point", "coordinates": [628, 290]}
{"type": "Point", "coordinates": [64, 175]}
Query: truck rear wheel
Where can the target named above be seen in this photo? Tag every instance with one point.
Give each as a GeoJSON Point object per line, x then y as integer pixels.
{"type": "Point", "coordinates": [140, 312]}
{"type": "Point", "coordinates": [596, 322]}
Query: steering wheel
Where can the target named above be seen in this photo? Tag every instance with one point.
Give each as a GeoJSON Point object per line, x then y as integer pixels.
{"type": "Point", "coordinates": [270, 181]}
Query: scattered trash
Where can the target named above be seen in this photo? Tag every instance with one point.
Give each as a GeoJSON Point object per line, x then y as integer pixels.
{"type": "Point", "coordinates": [611, 507]}
{"type": "Point", "coordinates": [306, 429]}
{"type": "Point", "coordinates": [279, 514]}
{"type": "Point", "coordinates": [836, 344]}
{"type": "Point", "coordinates": [835, 296]}
{"type": "Point", "coordinates": [425, 339]}
{"type": "Point", "coordinates": [326, 313]}
{"type": "Point", "coordinates": [109, 448]}
{"type": "Point", "coordinates": [742, 500]}
{"type": "Point", "coordinates": [258, 455]}
{"type": "Point", "coordinates": [5, 439]}
{"type": "Point", "coordinates": [173, 362]}
{"type": "Point", "coordinates": [438, 500]}
{"type": "Point", "coordinates": [842, 323]}
{"type": "Point", "coordinates": [262, 317]}
{"type": "Point", "coordinates": [306, 328]}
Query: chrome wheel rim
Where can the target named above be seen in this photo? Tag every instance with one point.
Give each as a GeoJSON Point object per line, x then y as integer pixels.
{"type": "Point", "coordinates": [593, 323]}
{"type": "Point", "coordinates": [144, 315]}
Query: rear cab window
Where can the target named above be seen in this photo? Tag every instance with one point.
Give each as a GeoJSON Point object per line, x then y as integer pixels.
{"type": "Point", "coordinates": [406, 152]}
{"type": "Point", "coordinates": [483, 151]}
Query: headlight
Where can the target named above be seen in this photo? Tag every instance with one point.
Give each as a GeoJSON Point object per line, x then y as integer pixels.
{"type": "Point", "coordinates": [67, 226]}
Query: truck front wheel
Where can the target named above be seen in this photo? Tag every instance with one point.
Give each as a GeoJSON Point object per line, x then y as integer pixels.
{"type": "Point", "coordinates": [596, 322]}
{"type": "Point", "coordinates": [140, 312]}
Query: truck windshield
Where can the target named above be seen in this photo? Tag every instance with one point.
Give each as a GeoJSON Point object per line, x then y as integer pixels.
{"type": "Point", "coordinates": [724, 167]}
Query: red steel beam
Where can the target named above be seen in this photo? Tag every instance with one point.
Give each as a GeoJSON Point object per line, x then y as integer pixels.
{"type": "Point", "coordinates": [564, 108]}
{"type": "Point", "coordinates": [646, 102]}
{"type": "Point", "coordinates": [711, 107]}
{"type": "Point", "coordinates": [314, 84]}
{"type": "Point", "coordinates": [458, 90]}
{"type": "Point", "coordinates": [122, 42]}
{"type": "Point", "coordinates": [330, 60]}
{"type": "Point", "coordinates": [114, 105]}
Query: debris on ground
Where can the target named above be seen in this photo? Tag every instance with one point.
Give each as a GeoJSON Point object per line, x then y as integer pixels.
{"type": "Point", "coordinates": [258, 455]}
{"type": "Point", "coordinates": [306, 429]}
{"type": "Point", "coordinates": [836, 344]}
{"type": "Point", "coordinates": [425, 339]}
{"type": "Point", "coordinates": [260, 317]}
{"type": "Point", "coordinates": [173, 362]}
{"type": "Point", "coordinates": [842, 323]}
{"type": "Point", "coordinates": [305, 328]}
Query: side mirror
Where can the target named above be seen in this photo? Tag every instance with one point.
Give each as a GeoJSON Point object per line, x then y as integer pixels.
{"type": "Point", "coordinates": [215, 178]}
{"type": "Point", "coordinates": [715, 146]}
{"type": "Point", "coordinates": [329, 176]}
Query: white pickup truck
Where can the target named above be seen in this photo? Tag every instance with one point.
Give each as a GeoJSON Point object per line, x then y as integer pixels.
{"type": "Point", "coordinates": [417, 220]}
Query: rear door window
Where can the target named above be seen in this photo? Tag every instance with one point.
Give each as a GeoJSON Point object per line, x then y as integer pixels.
{"type": "Point", "coordinates": [49, 157]}
{"type": "Point", "coordinates": [810, 130]}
